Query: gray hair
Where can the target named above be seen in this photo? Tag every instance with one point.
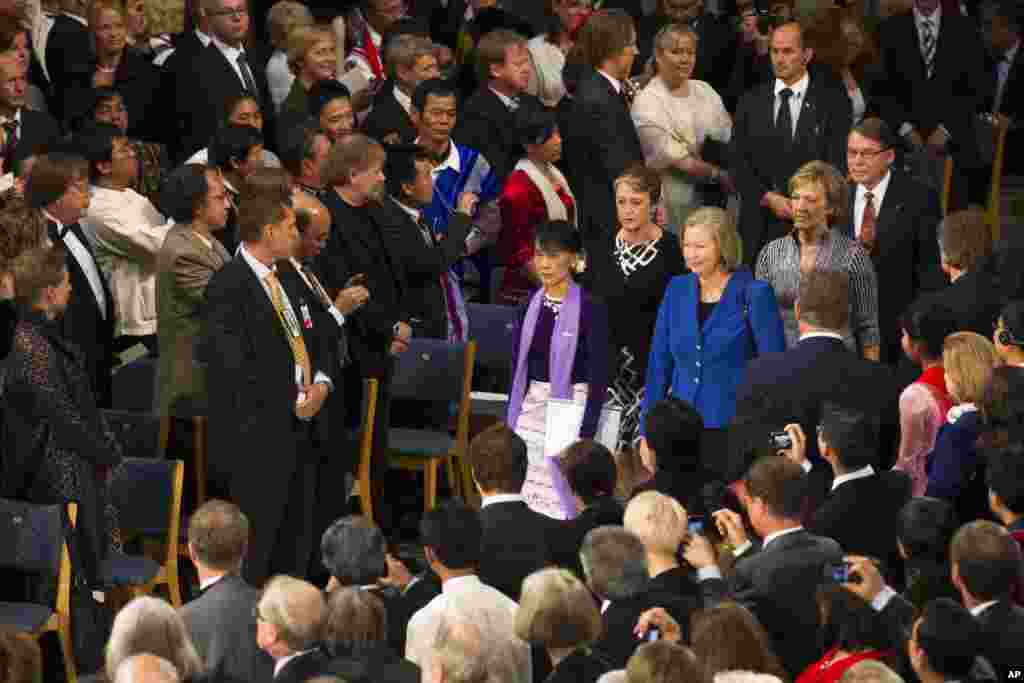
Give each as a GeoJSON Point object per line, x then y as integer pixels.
{"type": "Point", "coordinates": [870, 671]}
{"type": "Point", "coordinates": [460, 649]}
{"type": "Point", "coordinates": [148, 625]}
{"type": "Point", "coordinates": [615, 562]}
{"type": "Point", "coordinates": [405, 50]}
{"type": "Point", "coordinates": [296, 609]}
{"type": "Point", "coordinates": [146, 668]}
{"type": "Point", "coordinates": [352, 550]}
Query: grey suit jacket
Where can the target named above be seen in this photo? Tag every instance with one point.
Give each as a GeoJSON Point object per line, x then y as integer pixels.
{"type": "Point", "coordinates": [184, 267]}
{"type": "Point", "coordinates": [223, 629]}
{"type": "Point", "coordinates": [778, 584]}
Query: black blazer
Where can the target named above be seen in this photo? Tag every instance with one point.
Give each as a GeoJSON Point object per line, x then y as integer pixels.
{"type": "Point", "coordinates": [793, 385]}
{"type": "Point", "coordinates": [488, 126]}
{"type": "Point", "coordinates": [86, 324]}
{"type": "Point", "coordinates": [582, 666]}
{"type": "Point", "coordinates": [424, 264]}
{"type": "Point", "coordinates": [760, 164]}
{"type": "Point", "coordinates": [136, 79]}
{"type": "Point", "coordinates": [618, 641]}
{"type": "Point", "coordinates": [388, 121]}
{"type": "Point", "coordinates": [38, 132]}
{"type": "Point", "coordinates": [376, 663]}
{"type": "Point", "coordinates": [67, 45]}
{"type": "Point", "coordinates": [401, 606]}
{"type": "Point", "coordinates": [223, 628]}
{"type": "Point", "coordinates": [202, 94]}
{"type": "Point", "coordinates": [1003, 626]}
{"type": "Point", "coordinates": [951, 96]}
{"type": "Point", "coordinates": [516, 543]}
{"type": "Point", "coordinates": [306, 666]}
{"type": "Point", "coordinates": [600, 144]}
{"type": "Point", "coordinates": [906, 253]}
{"type": "Point", "coordinates": [569, 533]}
{"type": "Point", "coordinates": [974, 299]}
{"type": "Point", "coordinates": [173, 75]}
{"type": "Point", "coordinates": [778, 583]}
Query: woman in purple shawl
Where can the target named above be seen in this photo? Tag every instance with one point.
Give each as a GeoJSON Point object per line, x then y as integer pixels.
{"type": "Point", "coordinates": [563, 352]}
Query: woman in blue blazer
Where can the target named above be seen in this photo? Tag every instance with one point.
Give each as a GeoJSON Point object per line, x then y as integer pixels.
{"type": "Point", "coordinates": [712, 321]}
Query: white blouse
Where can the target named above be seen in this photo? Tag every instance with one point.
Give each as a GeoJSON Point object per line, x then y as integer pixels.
{"type": "Point", "coordinates": [546, 76]}
{"type": "Point", "coordinates": [673, 127]}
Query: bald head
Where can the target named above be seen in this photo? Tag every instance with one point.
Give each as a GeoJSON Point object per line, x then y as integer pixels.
{"type": "Point", "coordinates": [146, 669]}
{"type": "Point", "coordinates": [314, 223]}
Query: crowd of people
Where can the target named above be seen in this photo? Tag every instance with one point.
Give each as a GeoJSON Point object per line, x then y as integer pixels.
{"type": "Point", "coordinates": [720, 228]}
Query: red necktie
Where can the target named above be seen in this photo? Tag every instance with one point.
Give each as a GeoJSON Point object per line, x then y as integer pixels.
{"type": "Point", "coordinates": [867, 223]}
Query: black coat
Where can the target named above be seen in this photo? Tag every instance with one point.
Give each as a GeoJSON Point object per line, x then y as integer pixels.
{"type": "Point", "coordinates": [388, 121]}
{"type": "Point", "coordinates": [569, 534]}
{"type": "Point", "coordinates": [67, 45]}
{"type": "Point", "coordinates": [1012, 105]}
{"type": "Point", "coordinates": [618, 642]}
{"type": "Point", "coordinates": [759, 162]}
{"type": "Point", "coordinates": [38, 132]}
{"type": "Point", "coordinates": [973, 298]}
{"type": "Point", "coordinates": [401, 606]}
{"type": "Point", "coordinates": [175, 74]}
{"type": "Point", "coordinates": [906, 253]}
{"type": "Point", "coordinates": [488, 126]}
{"type": "Point", "coordinates": [375, 663]}
{"type": "Point", "coordinates": [136, 79]}
{"type": "Point", "coordinates": [305, 666]}
{"type": "Point", "coordinates": [516, 543]}
{"type": "Point", "coordinates": [582, 666]}
{"type": "Point", "coordinates": [1003, 627]}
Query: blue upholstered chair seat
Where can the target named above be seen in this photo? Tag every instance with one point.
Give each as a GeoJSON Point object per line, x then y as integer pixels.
{"type": "Point", "coordinates": [129, 570]}
{"type": "Point", "coordinates": [24, 616]}
{"type": "Point", "coordinates": [420, 442]}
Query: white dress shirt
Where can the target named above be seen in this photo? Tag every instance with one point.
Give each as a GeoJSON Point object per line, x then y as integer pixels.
{"type": "Point", "coordinates": [279, 78]}
{"type": "Point", "coordinates": [828, 335]}
{"type": "Point", "coordinates": [978, 609]}
{"type": "Point", "coordinates": [859, 202]}
{"type": "Point", "coordinates": [404, 101]}
{"type": "Point", "coordinates": [796, 100]}
{"type": "Point", "coordinates": [866, 471]}
{"type": "Point", "coordinates": [501, 498]}
{"type": "Point", "coordinates": [86, 262]}
{"type": "Point", "coordinates": [232, 54]}
{"type": "Point", "coordinates": [338, 316]}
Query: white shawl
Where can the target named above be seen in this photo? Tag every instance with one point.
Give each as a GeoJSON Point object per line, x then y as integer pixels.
{"type": "Point", "coordinates": [556, 208]}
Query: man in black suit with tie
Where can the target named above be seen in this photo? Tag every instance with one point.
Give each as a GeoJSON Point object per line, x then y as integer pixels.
{"type": "Point", "coordinates": [25, 132]}
{"type": "Point", "coordinates": [792, 386]}
{"type": "Point", "coordinates": [516, 540]}
{"type": "Point", "coordinates": [780, 125]}
{"type": "Point", "coordinates": [221, 620]}
{"type": "Point", "coordinates": [894, 217]}
{"type": "Point", "coordinates": [986, 562]}
{"type": "Point", "coordinates": [601, 141]}
{"type": "Point", "coordinates": [269, 375]}
{"type": "Point", "coordinates": [67, 45]}
{"type": "Point", "coordinates": [221, 70]}
{"type": "Point", "coordinates": [486, 122]}
{"type": "Point", "coordinates": [777, 580]}
{"type": "Point", "coordinates": [59, 187]}
{"type": "Point", "coordinates": [410, 60]}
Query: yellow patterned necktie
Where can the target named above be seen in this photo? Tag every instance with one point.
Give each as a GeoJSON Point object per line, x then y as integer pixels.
{"type": "Point", "coordinates": [292, 330]}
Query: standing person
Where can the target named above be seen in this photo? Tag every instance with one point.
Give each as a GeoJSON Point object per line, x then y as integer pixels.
{"type": "Point", "coordinates": [781, 125]}
{"type": "Point", "coordinates": [710, 324]}
{"type": "Point", "coordinates": [411, 59]}
{"type": "Point", "coordinates": [602, 140]}
{"type": "Point", "coordinates": [31, 131]}
{"type": "Point", "coordinates": [311, 58]}
{"type": "Point", "coordinates": [59, 447]}
{"type": "Point", "coordinates": [561, 352]}
{"type": "Point", "coordinates": [630, 271]}
{"type": "Point", "coordinates": [268, 381]}
{"type": "Point", "coordinates": [1008, 335]}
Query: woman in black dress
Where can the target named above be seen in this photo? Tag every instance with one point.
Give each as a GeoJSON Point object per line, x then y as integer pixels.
{"type": "Point", "coordinates": [629, 270]}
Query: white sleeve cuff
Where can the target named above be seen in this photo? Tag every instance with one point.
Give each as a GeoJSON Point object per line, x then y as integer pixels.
{"type": "Point", "coordinates": [322, 378]}
{"type": "Point", "coordinates": [705, 573]}
{"type": "Point", "coordinates": [806, 464]}
{"type": "Point", "coordinates": [883, 598]}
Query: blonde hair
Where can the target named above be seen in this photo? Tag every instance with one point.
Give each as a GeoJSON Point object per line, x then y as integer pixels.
{"type": "Point", "coordinates": [302, 39]}
{"type": "Point", "coordinates": [556, 611]}
{"type": "Point", "coordinates": [825, 175]}
{"type": "Point", "coordinates": [723, 230]}
{"type": "Point", "coordinates": [659, 520]}
{"type": "Point", "coordinates": [296, 608]}
{"type": "Point", "coordinates": [970, 358]}
{"type": "Point", "coordinates": [283, 18]}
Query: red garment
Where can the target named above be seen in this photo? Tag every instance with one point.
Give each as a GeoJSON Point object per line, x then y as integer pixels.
{"type": "Point", "coordinates": [522, 209]}
{"type": "Point", "coordinates": [935, 379]}
{"type": "Point", "coordinates": [827, 671]}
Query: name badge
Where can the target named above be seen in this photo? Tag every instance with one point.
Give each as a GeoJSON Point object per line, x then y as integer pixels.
{"type": "Point", "coordinates": [306, 319]}
{"type": "Point", "coordinates": [291, 322]}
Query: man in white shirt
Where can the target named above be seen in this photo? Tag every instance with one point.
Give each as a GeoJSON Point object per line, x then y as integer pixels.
{"type": "Point", "coordinates": [129, 233]}
{"type": "Point", "coordinates": [451, 536]}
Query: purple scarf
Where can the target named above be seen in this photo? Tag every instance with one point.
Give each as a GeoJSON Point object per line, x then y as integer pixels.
{"type": "Point", "coordinates": [564, 339]}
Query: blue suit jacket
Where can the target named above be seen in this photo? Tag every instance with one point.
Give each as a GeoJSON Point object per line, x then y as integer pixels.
{"type": "Point", "coordinates": [704, 364]}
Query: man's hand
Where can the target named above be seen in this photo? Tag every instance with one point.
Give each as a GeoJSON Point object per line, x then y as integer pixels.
{"type": "Point", "coordinates": [398, 574]}
{"type": "Point", "coordinates": [700, 553]}
{"type": "Point", "coordinates": [871, 581]}
{"type": "Point", "coordinates": [730, 525]}
{"type": "Point", "coordinates": [467, 203]}
{"type": "Point", "coordinates": [315, 395]}
{"type": "Point", "coordinates": [937, 143]}
{"type": "Point", "coordinates": [798, 452]}
{"type": "Point", "coordinates": [351, 298]}
{"type": "Point", "coordinates": [657, 617]}
{"type": "Point", "coordinates": [778, 204]}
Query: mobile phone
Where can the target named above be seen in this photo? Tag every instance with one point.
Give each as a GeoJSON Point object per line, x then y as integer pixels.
{"type": "Point", "coordinates": [696, 526]}
{"type": "Point", "coordinates": [780, 441]}
{"type": "Point", "coordinates": [838, 572]}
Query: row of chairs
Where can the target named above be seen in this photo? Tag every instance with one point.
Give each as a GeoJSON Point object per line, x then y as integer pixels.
{"type": "Point", "coordinates": [993, 208]}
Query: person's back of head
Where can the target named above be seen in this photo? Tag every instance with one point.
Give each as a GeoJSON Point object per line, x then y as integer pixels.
{"type": "Point", "coordinates": [659, 521]}
{"type": "Point", "coordinates": [925, 527]}
{"type": "Point", "coordinates": [672, 430]}
{"type": "Point", "coordinates": [944, 640]}
{"type": "Point", "coordinates": [823, 301]}
{"type": "Point", "coordinates": [870, 671]}
{"type": "Point", "coordinates": [965, 241]}
{"type": "Point", "coordinates": [461, 651]}
{"type": "Point", "coordinates": [664, 662]}
{"type": "Point", "coordinates": [20, 658]}
{"type": "Point", "coordinates": [590, 471]}
{"type": "Point", "coordinates": [728, 637]}
{"type": "Point", "coordinates": [779, 486]}
{"type": "Point", "coordinates": [986, 561]}
{"type": "Point", "coordinates": [498, 459]}
{"type": "Point", "coordinates": [850, 437]}
{"type": "Point", "coordinates": [290, 616]}
{"type": "Point", "coordinates": [353, 550]}
{"type": "Point", "coordinates": [148, 625]}
{"type": "Point", "coordinates": [927, 323]}
{"type": "Point", "coordinates": [1006, 479]}
{"type": "Point", "coordinates": [146, 668]}
{"type": "Point", "coordinates": [614, 562]}
{"type": "Point", "coordinates": [355, 619]}
{"type": "Point", "coordinates": [218, 534]}
{"type": "Point", "coordinates": [452, 534]}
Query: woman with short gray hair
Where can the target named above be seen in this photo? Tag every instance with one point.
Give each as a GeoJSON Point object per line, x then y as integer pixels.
{"type": "Point", "coordinates": [355, 634]}
{"type": "Point", "coordinates": [148, 625]}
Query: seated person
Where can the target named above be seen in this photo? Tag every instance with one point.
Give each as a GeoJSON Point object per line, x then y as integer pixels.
{"type": "Point", "coordinates": [355, 637]}
{"type": "Point", "coordinates": [290, 619]}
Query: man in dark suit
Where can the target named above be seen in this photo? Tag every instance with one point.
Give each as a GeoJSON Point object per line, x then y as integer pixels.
{"type": "Point", "coordinates": [486, 122]}
{"type": "Point", "coordinates": [221, 620]}
{"type": "Point", "coordinates": [792, 386]}
{"type": "Point", "coordinates": [931, 99]}
{"type": "Point", "coordinates": [221, 70]}
{"type": "Point", "coordinates": [947, 644]}
{"type": "Point", "coordinates": [25, 132]}
{"type": "Point", "coordinates": [269, 376]}
{"type": "Point", "coordinates": [67, 45]}
{"type": "Point", "coordinates": [780, 125]}
{"type": "Point", "coordinates": [303, 152]}
{"type": "Point", "coordinates": [410, 60]}
{"type": "Point", "coordinates": [602, 141]}
{"type": "Point", "coordinates": [986, 562]}
{"type": "Point", "coordinates": [516, 539]}
{"type": "Point", "coordinates": [433, 300]}
{"type": "Point", "coordinates": [894, 217]}
{"type": "Point", "coordinates": [862, 506]}
{"type": "Point", "coordinates": [778, 580]}
{"type": "Point", "coordinates": [175, 73]}
{"type": "Point", "coordinates": [1002, 28]}
{"type": "Point", "coordinates": [59, 187]}
{"type": "Point", "coordinates": [290, 617]}
{"type": "Point", "coordinates": [965, 252]}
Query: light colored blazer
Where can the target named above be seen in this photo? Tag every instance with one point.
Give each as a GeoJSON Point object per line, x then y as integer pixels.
{"type": "Point", "coordinates": [184, 268]}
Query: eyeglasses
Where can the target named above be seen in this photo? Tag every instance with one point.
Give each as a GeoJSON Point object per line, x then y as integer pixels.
{"type": "Point", "coordinates": [867, 154]}
{"type": "Point", "coordinates": [236, 13]}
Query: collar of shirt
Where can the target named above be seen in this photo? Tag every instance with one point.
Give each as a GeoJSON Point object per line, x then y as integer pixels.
{"type": "Point", "coordinates": [460, 583]}
{"type": "Point", "coordinates": [814, 335]}
{"type": "Point", "coordinates": [258, 267]}
{"type": "Point", "coordinates": [81, 20]}
{"type": "Point", "coordinates": [231, 53]}
{"type": "Point", "coordinates": [616, 83]}
{"type": "Point", "coordinates": [978, 609]}
{"type": "Point", "coordinates": [206, 583]}
{"type": "Point", "coordinates": [505, 99]}
{"type": "Point", "coordinates": [501, 498]}
{"type": "Point", "coordinates": [605, 604]}
{"type": "Point", "coordinates": [280, 664]}
{"type": "Point", "coordinates": [404, 101]}
{"type": "Point", "coordinates": [866, 471]}
{"type": "Point", "coordinates": [453, 161]}
{"type": "Point", "coordinates": [956, 412]}
{"type": "Point", "coordinates": [936, 18]}
{"type": "Point", "coordinates": [877, 193]}
{"type": "Point", "coordinates": [415, 214]}
{"type": "Point", "coordinates": [778, 534]}
{"type": "Point", "coordinates": [204, 38]}
{"type": "Point", "coordinates": [60, 226]}
{"type": "Point", "coordinates": [798, 88]}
